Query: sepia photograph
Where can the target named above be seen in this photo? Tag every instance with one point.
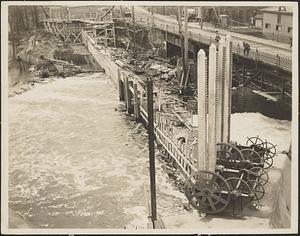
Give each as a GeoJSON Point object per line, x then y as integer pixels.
{"type": "Point", "coordinates": [147, 117]}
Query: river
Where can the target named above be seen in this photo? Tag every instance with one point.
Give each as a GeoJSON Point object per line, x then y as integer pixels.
{"type": "Point", "coordinates": [75, 161]}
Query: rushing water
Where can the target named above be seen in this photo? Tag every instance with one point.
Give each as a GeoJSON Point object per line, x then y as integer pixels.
{"type": "Point", "coordinates": [244, 100]}
{"type": "Point", "coordinates": [77, 162]}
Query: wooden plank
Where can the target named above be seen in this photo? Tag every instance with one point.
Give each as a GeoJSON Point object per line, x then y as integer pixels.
{"type": "Point", "coordinates": [181, 120]}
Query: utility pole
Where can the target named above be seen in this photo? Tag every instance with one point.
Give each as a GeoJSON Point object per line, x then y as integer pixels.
{"type": "Point", "coordinates": [151, 150]}
{"type": "Point", "coordinates": [166, 33]}
{"type": "Point", "coordinates": [181, 38]}
{"type": "Point", "coordinates": [152, 17]}
{"type": "Point", "coordinates": [186, 42]}
{"type": "Point", "coordinates": [133, 23]}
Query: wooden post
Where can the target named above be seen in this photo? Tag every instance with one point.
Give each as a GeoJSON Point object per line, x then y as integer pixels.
{"type": "Point", "coordinates": [126, 90]}
{"type": "Point", "coordinates": [121, 86]}
{"type": "Point", "coordinates": [142, 99]}
{"type": "Point", "coordinates": [133, 23]}
{"type": "Point", "coordinates": [136, 103]}
{"type": "Point", "coordinates": [261, 81]}
{"type": "Point", "coordinates": [283, 89]}
{"type": "Point", "coordinates": [159, 98]}
{"type": "Point", "coordinates": [151, 150]}
{"type": "Point", "coordinates": [181, 39]}
{"type": "Point", "coordinates": [244, 74]}
{"type": "Point", "coordinates": [130, 95]}
{"type": "Point", "coordinates": [186, 42]}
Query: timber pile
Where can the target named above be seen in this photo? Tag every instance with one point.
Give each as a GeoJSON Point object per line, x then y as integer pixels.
{"type": "Point", "coordinates": [148, 64]}
{"type": "Point", "coordinates": [49, 56]}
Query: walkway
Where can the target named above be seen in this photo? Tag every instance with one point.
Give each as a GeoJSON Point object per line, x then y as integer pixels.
{"type": "Point", "coordinates": [267, 51]}
{"type": "Point", "coordinates": [76, 162]}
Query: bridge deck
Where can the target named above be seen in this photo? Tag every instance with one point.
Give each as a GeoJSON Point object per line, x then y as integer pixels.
{"type": "Point", "coordinates": [267, 51]}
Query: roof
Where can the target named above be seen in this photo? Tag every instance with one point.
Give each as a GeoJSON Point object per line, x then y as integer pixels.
{"type": "Point", "coordinates": [258, 16]}
{"type": "Point", "coordinates": [288, 10]}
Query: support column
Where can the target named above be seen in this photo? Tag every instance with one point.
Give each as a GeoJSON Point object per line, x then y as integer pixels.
{"type": "Point", "coordinates": [227, 90]}
{"type": "Point", "coordinates": [211, 157]}
{"type": "Point", "coordinates": [186, 42]}
{"type": "Point", "coordinates": [202, 109]}
{"type": "Point", "coordinates": [219, 93]}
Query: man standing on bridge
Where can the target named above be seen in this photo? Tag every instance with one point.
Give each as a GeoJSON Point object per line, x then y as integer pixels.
{"type": "Point", "coordinates": [217, 38]}
{"type": "Point", "coordinates": [201, 22]}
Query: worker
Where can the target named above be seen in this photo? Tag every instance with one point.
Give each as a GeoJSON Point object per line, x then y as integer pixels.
{"type": "Point", "coordinates": [247, 48]}
{"type": "Point", "coordinates": [218, 37]}
{"type": "Point", "coordinates": [201, 22]}
{"type": "Point", "coordinates": [244, 48]}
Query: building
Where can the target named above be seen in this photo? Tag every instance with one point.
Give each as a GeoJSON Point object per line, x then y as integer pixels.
{"type": "Point", "coordinates": [278, 23]}
{"type": "Point", "coordinates": [258, 21]}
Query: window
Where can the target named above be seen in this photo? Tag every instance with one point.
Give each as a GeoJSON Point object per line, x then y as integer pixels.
{"type": "Point", "coordinates": [278, 28]}
{"type": "Point", "coordinates": [290, 29]}
{"type": "Point", "coordinates": [279, 19]}
{"type": "Point", "coordinates": [268, 26]}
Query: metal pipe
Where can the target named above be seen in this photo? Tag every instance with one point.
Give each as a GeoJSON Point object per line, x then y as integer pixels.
{"type": "Point", "coordinates": [151, 149]}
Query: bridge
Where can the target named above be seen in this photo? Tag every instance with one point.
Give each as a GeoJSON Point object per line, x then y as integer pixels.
{"type": "Point", "coordinates": [274, 54]}
{"type": "Point", "coordinates": [266, 51]}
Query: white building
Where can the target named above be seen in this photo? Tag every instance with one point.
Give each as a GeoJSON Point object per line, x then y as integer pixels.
{"type": "Point", "coordinates": [277, 23]}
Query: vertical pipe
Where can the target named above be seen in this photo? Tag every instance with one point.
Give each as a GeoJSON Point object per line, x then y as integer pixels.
{"type": "Point", "coordinates": [151, 150]}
